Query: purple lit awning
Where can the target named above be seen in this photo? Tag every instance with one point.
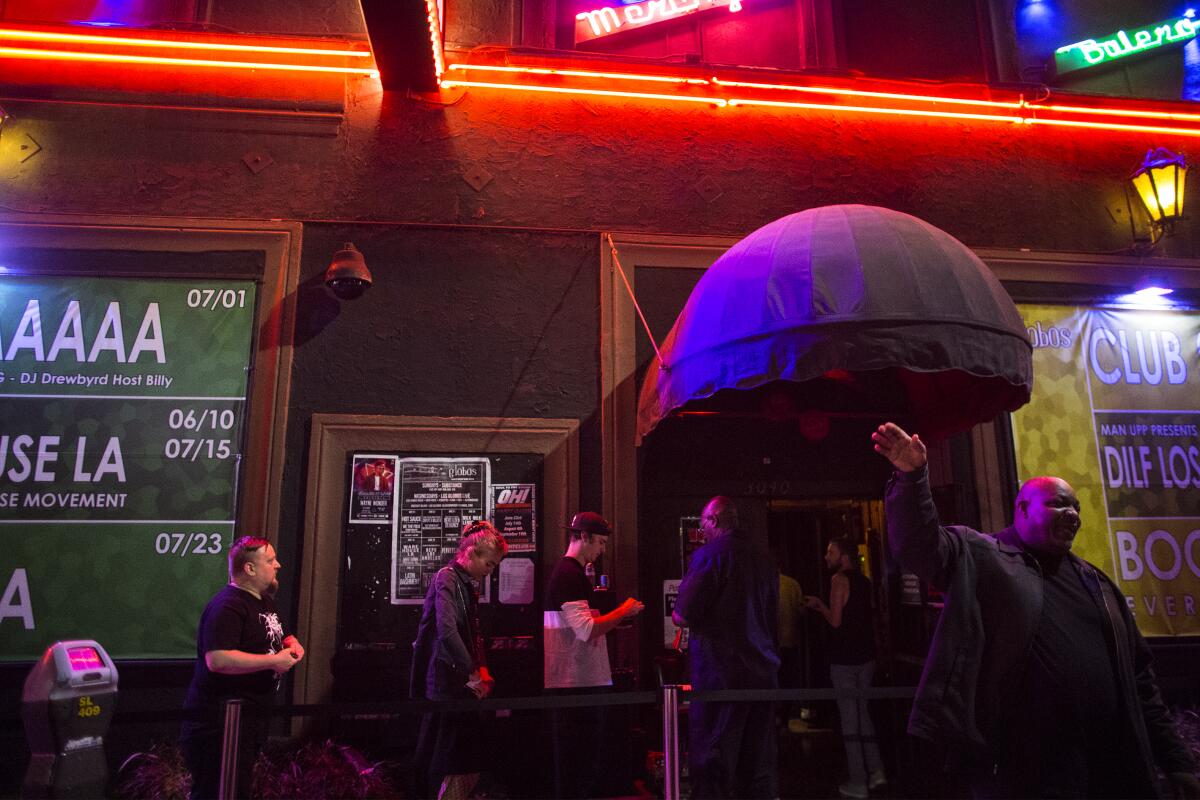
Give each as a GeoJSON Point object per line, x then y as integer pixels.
{"type": "Point", "coordinates": [854, 288]}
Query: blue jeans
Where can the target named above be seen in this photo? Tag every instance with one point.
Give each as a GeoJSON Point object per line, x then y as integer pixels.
{"type": "Point", "coordinates": [858, 734]}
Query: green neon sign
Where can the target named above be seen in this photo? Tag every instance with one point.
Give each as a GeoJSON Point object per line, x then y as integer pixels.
{"type": "Point", "coordinates": [1122, 44]}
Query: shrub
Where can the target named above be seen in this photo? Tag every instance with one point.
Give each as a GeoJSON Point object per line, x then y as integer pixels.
{"type": "Point", "coordinates": [156, 774]}
{"type": "Point", "coordinates": [314, 772]}
{"type": "Point", "coordinates": [320, 770]}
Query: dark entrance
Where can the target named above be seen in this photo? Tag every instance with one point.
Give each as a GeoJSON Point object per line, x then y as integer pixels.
{"type": "Point", "coordinates": [796, 486]}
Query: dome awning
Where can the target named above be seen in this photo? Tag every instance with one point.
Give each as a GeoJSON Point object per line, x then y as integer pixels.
{"type": "Point", "coordinates": [852, 288]}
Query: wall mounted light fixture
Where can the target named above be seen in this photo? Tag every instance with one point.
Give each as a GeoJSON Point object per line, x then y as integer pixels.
{"type": "Point", "coordinates": [348, 276]}
{"type": "Point", "coordinates": [1159, 182]}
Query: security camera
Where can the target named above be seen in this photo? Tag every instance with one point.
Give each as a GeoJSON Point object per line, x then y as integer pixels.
{"type": "Point", "coordinates": [348, 276]}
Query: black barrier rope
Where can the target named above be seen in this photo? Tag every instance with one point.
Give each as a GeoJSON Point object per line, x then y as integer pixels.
{"type": "Point", "coordinates": [400, 708]}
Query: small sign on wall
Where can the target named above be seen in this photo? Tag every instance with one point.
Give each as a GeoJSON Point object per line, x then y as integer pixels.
{"type": "Point", "coordinates": [671, 631]}
{"type": "Point", "coordinates": [372, 489]}
{"type": "Point", "coordinates": [515, 516]}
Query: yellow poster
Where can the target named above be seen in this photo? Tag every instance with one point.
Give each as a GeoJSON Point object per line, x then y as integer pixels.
{"type": "Point", "coordinates": [1116, 413]}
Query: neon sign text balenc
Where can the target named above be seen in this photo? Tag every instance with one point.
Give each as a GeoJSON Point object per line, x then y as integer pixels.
{"type": "Point", "coordinates": [604, 21]}
{"type": "Point", "coordinates": [1091, 53]}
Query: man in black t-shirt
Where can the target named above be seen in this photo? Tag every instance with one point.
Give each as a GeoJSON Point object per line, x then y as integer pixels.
{"type": "Point", "coordinates": [576, 658]}
{"type": "Point", "coordinates": [241, 653]}
{"type": "Point", "coordinates": [852, 663]}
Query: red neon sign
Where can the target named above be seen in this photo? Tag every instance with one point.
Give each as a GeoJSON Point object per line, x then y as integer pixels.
{"type": "Point", "coordinates": [275, 54]}
{"type": "Point", "coordinates": [615, 19]}
{"type": "Point", "coordinates": [994, 106]}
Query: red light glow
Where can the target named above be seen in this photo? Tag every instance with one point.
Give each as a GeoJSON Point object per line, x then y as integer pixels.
{"type": "Point", "coordinates": [121, 58]}
{"type": "Point", "coordinates": [82, 658]}
{"type": "Point", "coordinates": [719, 92]}
{"type": "Point", "coordinates": [435, 37]}
{"type": "Point", "coordinates": [180, 44]}
{"type": "Point", "coordinates": [579, 73]}
{"type": "Point", "coordinates": [901, 112]}
{"type": "Point", "coordinates": [189, 50]}
{"type": "Point", "coordinates": [712, 101]}
{"type": "Point", "coordinates": [917, 98]}
{"type": "Point", "coordinates": [1115, 126]}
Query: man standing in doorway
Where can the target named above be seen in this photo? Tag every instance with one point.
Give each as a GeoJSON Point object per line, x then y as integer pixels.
{"type": "Point", "coordinates": [729, 599]}
{"type": "Point", "coordinates": [852, 663]}
{"type": "Point", "coordinates": [576, 657]}
{"type": "Point", "coordinates": [241, 653]}
{"type": "Point", "coordinates": [1038, 681]}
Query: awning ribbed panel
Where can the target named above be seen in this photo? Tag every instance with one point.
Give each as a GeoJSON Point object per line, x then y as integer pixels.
{"type": "Point", "coordinates": [852, 288]}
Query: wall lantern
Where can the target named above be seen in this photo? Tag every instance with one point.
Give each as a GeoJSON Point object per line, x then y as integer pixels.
{"type": "Point", "coordinates": [1159, 181]}
{"type": "Point", "coordinates": [348, 275]}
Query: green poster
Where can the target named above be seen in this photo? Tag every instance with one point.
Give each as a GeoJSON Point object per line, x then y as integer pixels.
{"type": "Point", "coordinates": [1116, 412]}
{"type": "Point", "coordinates": [122, 408]}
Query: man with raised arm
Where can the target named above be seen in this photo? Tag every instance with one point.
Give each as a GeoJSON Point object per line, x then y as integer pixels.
{"type": "Point", "coordinates": [1037, 683]}
{"type": "Point", "coordinates": [241, 653]}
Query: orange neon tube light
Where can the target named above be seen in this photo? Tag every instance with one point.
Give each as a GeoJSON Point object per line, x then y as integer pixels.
{"type": "Point", "coordinates": [1116, 112]}
{"type": "Point", "coordinates": [80, 38]}
{"type": "Point", "coordinates": [712, 101]}
{"type": "Point", "coordinates": [1026, 112]}
{"type": "Point", "coordinates": [121, 58]}
{"type": "Point", "coordinates": [903, 112]}
{"type": "Point", "coordinates": [919, 98]}
{"type": "Point", "coordinates": [1113, 126]}
{"type": "Point", "coordinates": [580, 73]}
{"type": "Point", "coordinates": [435, 38]}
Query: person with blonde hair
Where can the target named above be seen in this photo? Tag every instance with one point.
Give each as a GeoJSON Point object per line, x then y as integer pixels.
{"type": "Point", "coordinates": [449, 664]}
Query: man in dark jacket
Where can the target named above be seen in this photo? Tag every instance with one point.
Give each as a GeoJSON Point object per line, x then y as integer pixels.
{"type": "Point", "coordinates": [1037, 676]}
{"type": "Point", "coordinates": [729, 599]}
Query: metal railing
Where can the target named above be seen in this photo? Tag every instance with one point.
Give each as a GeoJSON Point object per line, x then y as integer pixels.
{"type": "Point", "coordinates": [672, 698]}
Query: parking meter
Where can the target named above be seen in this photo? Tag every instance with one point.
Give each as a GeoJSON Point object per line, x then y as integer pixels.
{"type": "Point", "coordinates": [67, 705]}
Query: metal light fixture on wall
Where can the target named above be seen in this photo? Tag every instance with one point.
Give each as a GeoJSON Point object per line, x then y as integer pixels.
{"type": "Point", "coordinates": [348, 276]}
{"type": "Point", "coordinates": [1159, 182]}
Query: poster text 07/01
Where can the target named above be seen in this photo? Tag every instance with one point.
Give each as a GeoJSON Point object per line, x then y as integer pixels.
{"type": "Point", "coordinates": [122, 405]}
{"type": "Point", "coordinates": [1116, 412]}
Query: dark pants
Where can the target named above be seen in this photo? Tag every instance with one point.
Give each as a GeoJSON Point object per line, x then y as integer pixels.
{"type": "Point", "coordinates": [580, 738]}
{"type": "Point", "coordinates": [201, 745]}
{"type": "Point", "coordinates": [732, 750]}
{"type": "Point", "coordinates": [449, 743]}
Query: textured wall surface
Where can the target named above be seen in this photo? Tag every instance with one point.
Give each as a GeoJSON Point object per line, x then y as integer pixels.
{"type": "Point", "coordinates": [496, 158]}
{"type": "Point", "coordinates": [458, 323]}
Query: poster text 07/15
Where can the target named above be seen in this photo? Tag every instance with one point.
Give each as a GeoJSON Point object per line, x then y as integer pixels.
{"type": "Point", "coordinates": [122, 406]}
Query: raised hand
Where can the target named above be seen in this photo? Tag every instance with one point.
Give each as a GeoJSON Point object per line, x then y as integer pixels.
{"type": "Point", "coordinates": [907, 453]}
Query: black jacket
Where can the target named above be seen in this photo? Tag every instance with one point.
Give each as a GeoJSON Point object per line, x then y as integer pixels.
{"type": "Point", "coordinates": [447, 648]}
{"type": "Point", "coordinates": [994, 595]}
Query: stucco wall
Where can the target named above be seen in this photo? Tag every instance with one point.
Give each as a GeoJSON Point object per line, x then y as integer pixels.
{"type": "Point", "coordinates": [594, 164]}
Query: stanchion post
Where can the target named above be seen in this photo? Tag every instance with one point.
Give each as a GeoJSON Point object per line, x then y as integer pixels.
{"type": "Point", "coordinates": [670, 742]}
{"type": "Point", "coordinates": [229, 750]}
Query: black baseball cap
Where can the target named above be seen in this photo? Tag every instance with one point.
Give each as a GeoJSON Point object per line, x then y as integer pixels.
{"type": "Point", "coordinates": [590, 522]}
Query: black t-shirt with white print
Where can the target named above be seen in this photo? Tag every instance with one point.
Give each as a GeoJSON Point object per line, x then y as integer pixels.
{"type": "Point", "coordinates": [235, 620]}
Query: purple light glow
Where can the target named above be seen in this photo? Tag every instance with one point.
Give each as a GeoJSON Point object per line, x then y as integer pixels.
{"type": "Point", "coordinates": [1153, 291]}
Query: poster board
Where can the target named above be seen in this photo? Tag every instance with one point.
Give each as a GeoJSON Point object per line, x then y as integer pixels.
{"type": "Point", "coordinates": [1116, 413]}
{"type": "Point", "coordinates": [423, 537]}
{"type": "Point", "coordinates": [435, 498]}
{"type": "Point", "coordinates": [122, 421]}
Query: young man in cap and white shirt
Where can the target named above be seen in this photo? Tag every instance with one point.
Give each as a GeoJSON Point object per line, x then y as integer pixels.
{"type": "Point", "coordinates": [576, 655]}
